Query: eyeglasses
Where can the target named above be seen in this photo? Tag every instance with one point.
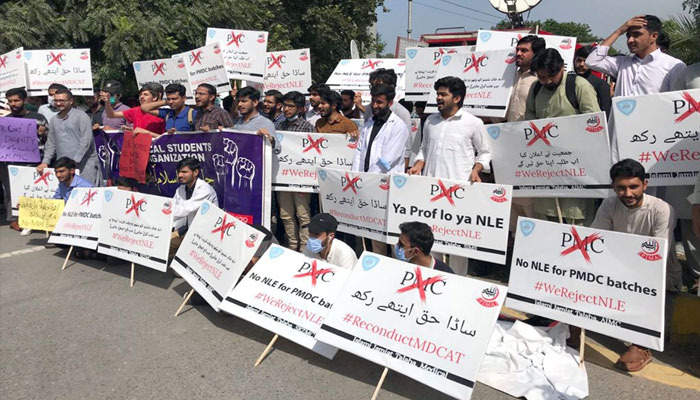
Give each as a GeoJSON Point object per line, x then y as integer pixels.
{"type": "Point", "coordinates": [289, 106]}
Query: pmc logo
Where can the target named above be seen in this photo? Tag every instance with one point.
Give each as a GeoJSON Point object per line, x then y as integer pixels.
{"type": "Point", "coordinates": [592, 243]}
{"type": "Point", "coordinates": [688, 102]}
{"type": "Point", "coordinates": [593, 124]}
{"type": "Point", "coordinates": [371, 64]}
{"type": "Point", "coordinates": [650, 250]}
{"type": "Point", "coordinates": [499, 195]}
{"type": "Point", "coordinates": [475, 63]}
{"type": "Point", "coordinates": [414, 280]}
{"type": "Point", "coordinates": [488, 297]}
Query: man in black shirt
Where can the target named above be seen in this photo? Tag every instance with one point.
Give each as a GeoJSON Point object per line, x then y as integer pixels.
{"type": "Point", "coordinates": [602, 89]}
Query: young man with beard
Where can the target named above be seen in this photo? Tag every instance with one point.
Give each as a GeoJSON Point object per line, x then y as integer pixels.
{"type": "Point", "coordinates": [312, 114]}
{"type": "Point", "coordinates": [49, 110]}
{"type": "Point", "coordinates": [332, 121]}
{"type": "Point", "coordinates": [347, 106]}
{"type": "Point", "coordinates": [142, 122]}
{"type": "Point", "coordinates": [209, 116]}
{"type": "Point", "coordinates": [272, 106]}
{"type": "Point", "coordinates": [601, 87]}
{"type": "Point", "coordinates": [633, 211]}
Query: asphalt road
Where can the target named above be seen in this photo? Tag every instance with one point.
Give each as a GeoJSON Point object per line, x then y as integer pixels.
{"type": "Point", "coordinates": [83, 333]}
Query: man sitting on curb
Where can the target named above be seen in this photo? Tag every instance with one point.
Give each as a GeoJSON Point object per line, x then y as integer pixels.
{"type": "Point", "coordinates": [322, 246]}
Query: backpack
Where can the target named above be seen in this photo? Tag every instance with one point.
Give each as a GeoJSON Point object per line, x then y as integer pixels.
{"type": "Point", "coordinates": [190, 117]}
{"type": "Point", "coordinates": [570, 90]}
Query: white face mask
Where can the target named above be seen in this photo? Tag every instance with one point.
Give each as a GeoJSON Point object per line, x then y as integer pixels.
{"type": "Point", "coordinates": [51, 103]}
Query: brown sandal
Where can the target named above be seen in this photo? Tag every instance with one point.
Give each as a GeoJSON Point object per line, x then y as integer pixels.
{"type": "Point", "coordinates": [634, 359]}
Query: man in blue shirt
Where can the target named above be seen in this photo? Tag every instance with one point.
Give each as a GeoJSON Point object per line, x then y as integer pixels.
{"type": "Point", "coordinates": [179, 117]}
{"type": "Point", "coordinates": [64, 168]}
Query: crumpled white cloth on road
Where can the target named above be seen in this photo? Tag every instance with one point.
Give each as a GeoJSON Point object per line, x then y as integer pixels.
{"type": "Point", "coordinates": [524, 361]}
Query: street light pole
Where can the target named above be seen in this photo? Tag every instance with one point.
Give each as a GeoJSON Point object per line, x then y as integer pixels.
{"type": "Point", "coordinates": [410, 18]}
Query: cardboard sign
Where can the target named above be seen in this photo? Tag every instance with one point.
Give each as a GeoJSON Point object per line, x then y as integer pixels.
{"type": "Point", "coordinates": [661, 132]}
{"type": "Point", "coordinates": [39, 214]}
{"type": "Point", "coordinates": [288, 70]}
{"type": "Point", "coordinates": [79, 224]}
{"type": "Point", "coordinates": [289, 294]}
{"type": "Point", "coordinates": [12, 71]}
{"type": "Point", "coordinates": [18, 140]}
{"type": "Point", "coordinates": [27, 182]}
{"type": "Point", "coordinates": [422, 67]}
{"type": "Point", "coordinates": [469, 220]}
{"type": "Point", "coordinates": [489, 77]}
{"type": "Point", "coordinates": [69, 67]}
{"type": "Point", "coordinates": [134, 157]}
{"type": "Point", "coordinates": [205, 65]}
{"type": "Point", "coordinates": [163, 71]}
{"type": "Point", "coordinates": [497, 40]}
{"type": "Point", "coordinates": [298, 154]}
{"type": "Point", "coordinates": [429, 325]}
{"type": "Point", "coordinates": [609, 282]}
{"type": "Point", "coordinates": [244, 52]}
{"type": "Point", "coordinates": [358, 200]}
{"type": "Point", "coordinates": [353, 74]}
{"type": "Point", "coordinates": [553, 157]}
{"type": "Point", "coordinates": [214, 253]}
{"type": "Point", "coordinates": [136, 227]}
{"type": "Point", "coordinates": [416, 139]}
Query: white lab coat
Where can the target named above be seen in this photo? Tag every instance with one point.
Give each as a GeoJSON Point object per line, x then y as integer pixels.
{"type": "Point", "coordinates": [184, 210]}
{"type": "Point", "coordinates": [388, 148]}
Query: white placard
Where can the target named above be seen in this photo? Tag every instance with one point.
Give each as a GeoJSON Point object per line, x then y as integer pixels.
{"type": "Point", "coordinates": [27, 182]}
{"type": "Point", "coordinates": [13, 74]}
{"type": "Point", "coordinates": [416, 132]}
{"type": "Point", "coordinates": [79, 225]}
{"type": "Point", "coordinates": [69, 67]}
{"type": "Point", "coordinates": [661, 131]}
{"type": "Point", "coordinates": [429, 325]}
{"type": "Point", "coordinates": [489, 77]}
{"type": "Point", "coordinates": [553, 157]}
{"type": "Point", "coordinates": [609, 282]}
{"type": "Point", "coordinates": [205, 65]}
{"type": "Point", "coordinates": [496, 40]}
{"type": "Point", "coordinates": [469, 220]}
{"type": "Point", "coordinates": [358, 200]}
{"type": "Point", "coordinates": [289, 294]}
{"type": "Point", "coordinates": [298, 154]}
{"type": "Point", "coordinates": [136, 227]}
{"type": "Point", "coordinates": [214, 252]}
{"type": "Point", "coordinates": [288, 70]}
{"type": "Point", "coordinates": [421, 68]}
{"type": "Point", "coordinates": [244, 52]}
{"type": "Point", "coordinates": [163, 71]}
{"type": "Point", "coordinates": [353, 74]}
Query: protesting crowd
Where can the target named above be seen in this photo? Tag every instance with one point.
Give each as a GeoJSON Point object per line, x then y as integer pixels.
{"type": "Point", "coordinates": [451, 144]}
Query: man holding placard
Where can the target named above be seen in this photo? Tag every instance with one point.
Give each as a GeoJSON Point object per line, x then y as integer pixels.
{"type": "Point", "coordinates": [633, 211]}
{"type": "Point", "coordinates": [414, 245]}
{"type": "Point", "coordinates": [322, 245]}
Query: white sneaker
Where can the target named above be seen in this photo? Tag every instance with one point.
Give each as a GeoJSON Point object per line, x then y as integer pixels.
{"type": "Point", "coordinates": [26, 232]}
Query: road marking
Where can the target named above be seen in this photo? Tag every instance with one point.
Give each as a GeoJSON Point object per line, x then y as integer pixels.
{"type": "Point", "coordinates": [22, 251]}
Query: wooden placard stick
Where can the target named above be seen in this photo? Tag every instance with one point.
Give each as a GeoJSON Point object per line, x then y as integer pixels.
{"type": "Point", "coordinates": [132, 275]}
{"type": "Point", "coordinates": [187, 298]}
{"type": "Point", "coordinates": [267, 350]}
{"type": "Point", "coordinates": [65, 262]}
{"type": "Point", "coordinates": [379, 384]}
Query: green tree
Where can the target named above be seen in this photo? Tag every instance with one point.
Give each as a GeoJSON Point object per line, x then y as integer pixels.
{"type": "Point", "coordinates": [119, 32]}
{"type": "Point", "coordinates": [684, 35]}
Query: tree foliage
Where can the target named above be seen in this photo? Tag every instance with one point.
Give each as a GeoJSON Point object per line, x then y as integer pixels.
{"type": "Point", "coordinates": [119, 32]}
{"type": "Point", "coordinates": [684, 35]}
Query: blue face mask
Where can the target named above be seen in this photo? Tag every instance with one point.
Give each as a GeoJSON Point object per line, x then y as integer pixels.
{"type": "Point", "coordinates": [399, 252]}
{"type": "Point", "coordinates": [294, 118]}
{"type": "Point", "coordinates": [314, 245]}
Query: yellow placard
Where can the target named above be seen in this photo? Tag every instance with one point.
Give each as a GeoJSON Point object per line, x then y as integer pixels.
{"type": "Point", "coordinates": [39, 214]}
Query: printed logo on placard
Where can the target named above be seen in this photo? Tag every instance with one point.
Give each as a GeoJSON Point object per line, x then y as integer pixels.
{"type": "Point", "coordinates": [303, 56]}
{"type": "Point", "coordinates": [14, 171]}
{"type": "Point", "coordinates": [167, 208]}
{"type": "Point", "coordinates": [438, 55]}
{"type": "Point", "coordinates": [312, 271]}
{"type": "Point", "coordinates": [384, 183]}
{"type": "Point", "coordinates": [196, 57]}
{"type": "Point", "coordinates": [352, 144]}
{"type": "Point", "coordinates": [232, 38]}
{"type": "Point", "coordinates": [348, 182]}
{"type": "Point", "coordinates": [73, 194]}
{"type": "Point", "coordinates": [488, 297]}
{"type": "Point", "coordinates": [45, 178]}
{"type": "Point", "coordinates": [399, 180]}
{"type": "Point", "coordinates": [411, 53]}
{"type": "Point", "coordinates": [3, 60]}
{"type": "Point", "coordinates": [276, 61]}
{"type": "Point", "coordinates": [250, 242]}
{"type": "Point", "coordinates": [204, 208]}
{"type": "Point", "coordinates": [371, 64]}
{"type": "Point", "coordinates": [626, 106]}
{"type": "Point", "coordinates": [592, 243]}
{"type": "Point", "coordinates": [211, 33]}
{"type": "Point", "coordinates": [84, 55]}
{"type": "Point", "coordinates": [593, 124]}
{"type": "Point", "coordinates": [261, 38]}
{"type": "Point", "coordinates": [494, 131]}
{"type": "Point", "coordinates": [137, 66]}
{"type": "Point", "coordinates": [441, 191]}
{"type": "Point", "coordinates": [88, 198]}
{"type": "Point", "coordinates": [308, 143]}
{"type": "Point", "coordinates": [57, 58]}
{"type": "Point", "coordinates": [565, 44]}
{"type": "Point", "coordinates": [369, 262]}
{"type": "Point", "coordinates": [157, 68]}
{"type": "Point", "coordinates": [485, 36]}
{"type": "Point", "coordinates": [510, 58]}
{"type": "Point", "coordinates": [446, 60]}
{"type": "Point", "coordinates": [135, 206]}
{"type": "Point", "coordinates": [475, 63]}
{"type": "Point", "coordinates": [650, 250]}
{"type": "Point", "coordinates": [216, 48]}
{"type": "Point", "coordinates": [223, 227]}
{"type": "Point", "coordinates": [322, 174]}
{"type": "Point", "coordinates": [414, 280]}
{"type": "Point", "coordinates": [28, 55]}
{"type": "Point", "coordinates": [18, 54]}
{"type": "Point", "coordinates": [108, 195]}
{"type": "Point", "coordinates": [499, 195]}
{"type": "Point", "coordinates": [527, 227]}
{"type": "Point", "coordinates": [181, 62]}
{"type": "Point", "coordinates": [533, 133]}
{"type": "Point", "coordinates": [275, 252]}
{"type": "Point", "coordinates": [688, 105]}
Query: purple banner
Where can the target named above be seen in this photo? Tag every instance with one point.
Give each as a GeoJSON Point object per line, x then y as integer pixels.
{"type": "Point", "coordinates": [108, 145]}
{"type": "Point", "coordinates": [18, 140]}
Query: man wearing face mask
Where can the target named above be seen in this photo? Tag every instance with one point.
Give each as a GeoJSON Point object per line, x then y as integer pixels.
{"type": "Point", "coordinates": [322, 246]}
{"type": "Point", "coordinates": [414, 245]}
{"type": "Point", "coordinates": [111, 93]}
{"type": "Point", "coordinates": [49, 110]}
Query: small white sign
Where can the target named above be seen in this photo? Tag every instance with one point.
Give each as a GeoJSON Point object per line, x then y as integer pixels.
{"type": "Point", "coordinates": [69, 67]}
{"type": "Point", "coordinates": [288, 70]}
{"type": "Point", "coordinates": [13, 74]}
{"type": "Point", "coordinates": [496, 40]}
{"type": "Point", "coordinates": [27, 182]}
{"type": "Point", "coordinates": [244, 52]}
{"type": "Point", "coordinates": [79, 225]}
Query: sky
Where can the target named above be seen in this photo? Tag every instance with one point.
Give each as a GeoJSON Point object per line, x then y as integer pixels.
{"type": "Point", "coordinates": [603, 16]}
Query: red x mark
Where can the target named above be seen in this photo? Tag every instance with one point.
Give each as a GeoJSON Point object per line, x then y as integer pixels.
{"type": "Point", "coordinates": [135, 206]}
{"type": "Point", "coordinates": [371, 64]}
{"type": "Point", "coordinates": [224, 226]}
{"type": "Point", "coordinates": [2, 62]}
{"type": "Point", "coordinates": [442, 52]}
{"type": "Point", "coordinates": [196, 57]}
{"type": "Point", "coordinates": [275, 61]}
{"type": "Point", "coordinates": [315, 144]}
{"type": "Point", "coordinates": [445, 192]}
{"type": "Point", "coordinates": [314, 273]}
{"type": "Point", "coordinates": [234, 39]}
{"type": "Point", "coordinates": [421, 284]}
{"type": "Point", "coordinates": [694, 107]}
{"type": "Point", "coordinates": [580, 244]}
{"type": "Point", "coordinates": [351, 183]}
{"type": "Point", "coordinates": [89, 197]}
{"type": "Point", "coordinates": [43, 178]}
{"type": "Point", "coordinates": [55, 58]}
{"type": "Point", "coordinates": [475, 63]}
{"type": "Point", "coordinates": [540, 134]}
{"type": "Point", "coordinates": [159, 68]}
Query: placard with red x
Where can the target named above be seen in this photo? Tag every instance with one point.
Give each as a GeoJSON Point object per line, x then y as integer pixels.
{"type": "Point", "coordinates": [314, 144]}
{"type": "Point", "coordinates": [445, 192]}
{"type": "Point", "coordinates": [224, 226]}
{"type": "Point", "coordinates": [420, 284]}
{"type": "Point", "coordinates": [135, 206]}
{"type": "Point", "coordinates": [541, 134]}
{"type": "Point", "coordinates": [351, 183]}
{"type": "Point", "coordinates": [581, 244]}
